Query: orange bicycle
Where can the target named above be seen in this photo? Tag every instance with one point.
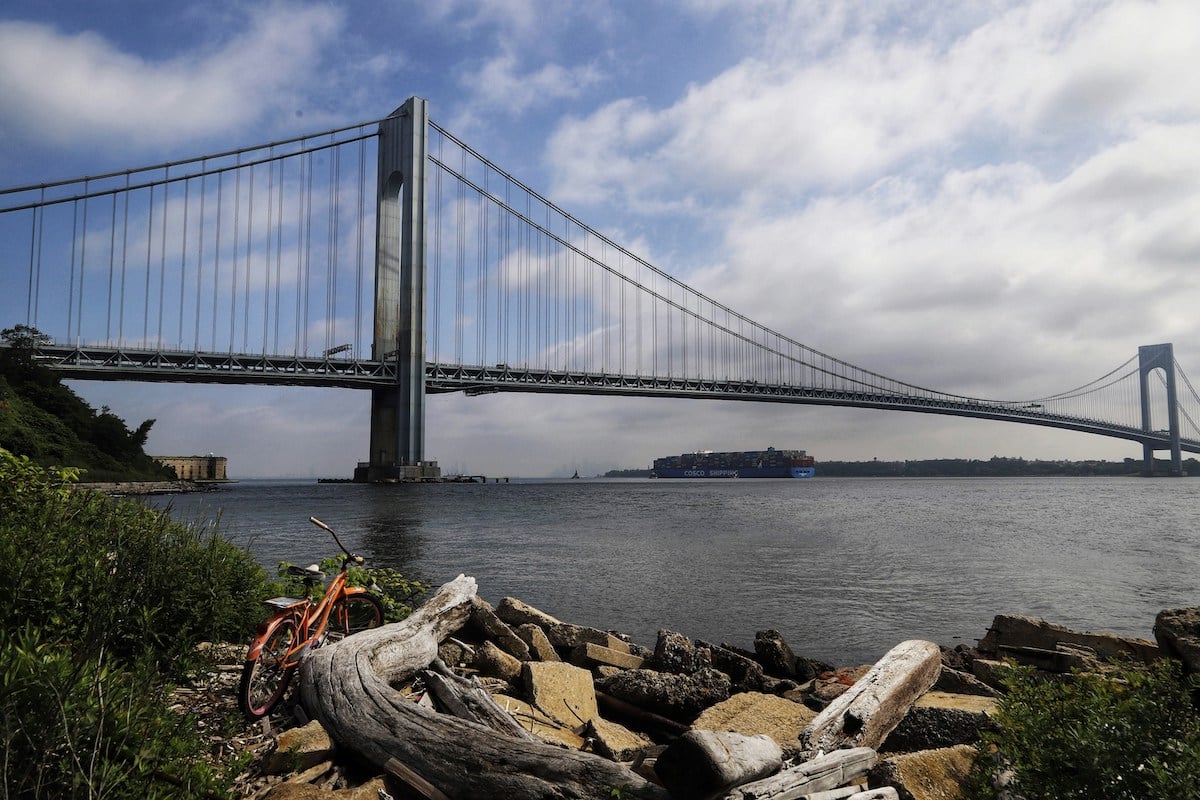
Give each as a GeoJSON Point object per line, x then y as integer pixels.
{"type": "Point", "coordinates": [299, 625]}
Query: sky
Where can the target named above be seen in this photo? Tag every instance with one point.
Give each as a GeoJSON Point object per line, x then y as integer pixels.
{"type": "Point", "coordinates": [995, 199]}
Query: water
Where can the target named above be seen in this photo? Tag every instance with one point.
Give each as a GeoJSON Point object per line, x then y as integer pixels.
{"type": "Point", "coordinates": [845, 568]}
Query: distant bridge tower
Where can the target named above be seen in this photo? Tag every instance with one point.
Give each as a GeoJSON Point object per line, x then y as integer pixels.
{"type": "Point", "coordinates": [1150, 358]}
{"type": "Point", "coordinates": [398, 412]}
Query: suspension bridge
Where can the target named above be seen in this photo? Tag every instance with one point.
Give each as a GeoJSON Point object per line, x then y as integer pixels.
{"type": "Point", "coordinates": [391, 256]}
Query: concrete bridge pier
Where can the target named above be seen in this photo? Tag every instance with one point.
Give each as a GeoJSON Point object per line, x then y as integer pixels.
{"type": "Point", "coordinates": [1150, 358]}
{"type": "Point", "coordinates": [398, 412]}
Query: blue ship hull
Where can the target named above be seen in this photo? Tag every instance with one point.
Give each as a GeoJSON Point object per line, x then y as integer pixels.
{"type": "Point", "coordinates": [740, 472]}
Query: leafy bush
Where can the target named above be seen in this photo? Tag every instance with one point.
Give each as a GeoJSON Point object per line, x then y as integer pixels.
{"type": "Point", "coordinates": [1129, 735]}
{"type": "Point", "coordinates": [104, 602]}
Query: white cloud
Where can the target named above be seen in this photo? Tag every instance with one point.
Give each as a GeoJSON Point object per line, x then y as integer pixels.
{"type": "Point", "coordinates": [61, 88]}
{"type": "Point", "coordinates": [499, 84]}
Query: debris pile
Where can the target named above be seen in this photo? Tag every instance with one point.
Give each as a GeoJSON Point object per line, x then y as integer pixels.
{"type": "Point", "coordinates": [464, 699]}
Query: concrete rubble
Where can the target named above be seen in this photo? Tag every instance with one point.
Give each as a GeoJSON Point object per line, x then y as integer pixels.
{"type": "Point", "coordinates": [707, 721]}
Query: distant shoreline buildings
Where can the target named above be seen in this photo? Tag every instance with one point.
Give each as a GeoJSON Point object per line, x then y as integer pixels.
{"type": "Point", "coordinates": [196, 468]}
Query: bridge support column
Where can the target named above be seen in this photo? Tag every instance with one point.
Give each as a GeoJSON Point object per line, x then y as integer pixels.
{"type": "Point", "coordinates": [398, 413]}
{"type": "Point", "coordinates": [1150, 358]}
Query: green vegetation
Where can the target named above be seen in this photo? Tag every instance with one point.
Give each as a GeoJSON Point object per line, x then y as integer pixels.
{"type": "Point", "coordinates": [46, 421]}
{"type": "Point", "coordinates": [104, 602]}
{"type": "Point", "coordinates": [1128, 735]}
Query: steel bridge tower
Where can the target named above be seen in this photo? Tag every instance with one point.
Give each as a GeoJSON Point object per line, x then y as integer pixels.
{"type": "Point", "coordinates": [1150, 358]}
{"type": "Point", "coordinates": [398, 412]}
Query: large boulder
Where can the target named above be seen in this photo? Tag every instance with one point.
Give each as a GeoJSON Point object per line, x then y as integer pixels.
{"type": "Point", "coordinates": [1011, 633]}
{"type": "Point", "coordinates": [941, 774]}
{"type": "Point", "coordinates": [752, 713]}
{"type": "Point", "coordinates": [1177, 631]}
{"type": "Point", "coordinates": [674, 652]}
{"type": "Point", "coordinates": [745, 674]}
{"type": "Point", "coordinates": [679, 697]}
{"type": "Point", "coordinates": [939, 719]}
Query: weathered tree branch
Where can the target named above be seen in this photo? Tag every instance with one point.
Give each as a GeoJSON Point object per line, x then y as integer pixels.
{"type": "Point", "coordinates": [347, 686]}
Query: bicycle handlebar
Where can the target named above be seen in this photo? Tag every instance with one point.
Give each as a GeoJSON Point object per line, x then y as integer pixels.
{"type": "Point", "coordinates": [333, 533]}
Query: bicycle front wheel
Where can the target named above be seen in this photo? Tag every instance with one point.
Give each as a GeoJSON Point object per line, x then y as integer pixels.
{"type": "Point", "coordinates": [354, 613]}
{"type": "Point", "coordinates": [265, 678]}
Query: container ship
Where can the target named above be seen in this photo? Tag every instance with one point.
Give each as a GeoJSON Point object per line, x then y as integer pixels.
{"type": "Point", "coordinates": [769, 463]}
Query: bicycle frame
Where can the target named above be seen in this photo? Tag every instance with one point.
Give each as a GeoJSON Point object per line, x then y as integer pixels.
{"type": "Point", "coordinates": [312, 619]}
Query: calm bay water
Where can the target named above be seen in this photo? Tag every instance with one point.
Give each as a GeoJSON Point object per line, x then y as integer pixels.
{"type": "Point", "coordinates": [845, 568]}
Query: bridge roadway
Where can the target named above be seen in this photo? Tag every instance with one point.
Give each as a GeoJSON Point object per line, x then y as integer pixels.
{"type": "Point", "coordinates": [109, 363]}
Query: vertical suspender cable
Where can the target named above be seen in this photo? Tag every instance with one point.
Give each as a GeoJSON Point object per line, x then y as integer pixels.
{"type": "Point", "coordinates": [124, 261]}
{"type": "Point", "coordinates": [358, 248]}
{"type": "Point", "coordinates": [217, 266]}
{"type": "Point", "coordinates": [267, 264]}
{"type": "Point", "coordinates": [82, 265]}
{"type": "Point", "coordinates": [200, 252]}
{"type": "Point", "coordinates": [437, 250]}
{"type": "Point", "coordinates": [237, 243]}
{"type": "Point", "coordinates": [30, 313]}
{"type": "Point", "coordinates": [246, 277]}
{"type": "Point", "coordinates": [162, 257]}
{"type": "Point", "coordinates": [112, 257]}
{"type": "Point", "coordinates": [149, 240]}
{"type": "Point", "coordinates": [187, 185]}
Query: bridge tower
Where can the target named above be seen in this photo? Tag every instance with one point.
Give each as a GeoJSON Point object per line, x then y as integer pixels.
{"type": "Point", "coordinates": [398, 412]}
{"type": "Point", "coordinates": [1150, 358]}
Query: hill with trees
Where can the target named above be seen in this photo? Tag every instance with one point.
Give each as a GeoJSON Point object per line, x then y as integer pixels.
{"type": "Point", "coordinates": [44, 419]}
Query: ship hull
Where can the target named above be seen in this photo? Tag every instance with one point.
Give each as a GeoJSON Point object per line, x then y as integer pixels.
{"type": "Point", "coordinates": [740, 472]}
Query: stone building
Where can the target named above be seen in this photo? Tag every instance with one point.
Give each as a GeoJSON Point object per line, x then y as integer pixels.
{"type": "Point", "coordinates": [196, 468]}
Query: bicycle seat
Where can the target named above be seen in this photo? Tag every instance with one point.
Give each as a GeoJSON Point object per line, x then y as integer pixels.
{"type": "Point", "coordinates": [311, 572]}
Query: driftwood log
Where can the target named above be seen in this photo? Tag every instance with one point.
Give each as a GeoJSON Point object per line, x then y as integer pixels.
{"type": "Point", "coordinates": [705, 763]}
{"type": "Point", "coordinates": [820, 774]}
{"type": "Point", "coordinates": [348, 688]}
{"type": "Point", "coordinates": [868, 711]}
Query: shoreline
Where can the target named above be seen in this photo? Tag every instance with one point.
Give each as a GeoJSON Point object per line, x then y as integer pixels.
{"type": "Point", "coordinates": [135, 488]}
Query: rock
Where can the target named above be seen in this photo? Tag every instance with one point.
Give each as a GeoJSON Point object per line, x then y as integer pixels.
{"type": "Point", "coordinates": [483, 617]}
{"type": "Point", "coordinates": [828, 686]}
{"type": "Point", "coordinates": [562, 635]}
{"type": "Point", "coordinates": [745, 674]}
{"type": "Point", "coordinates": [562, 691]}
{"type": "Point", "coordinates": [591, 655]}
{"type": "Point", "coordinates": [494, 662]}
{"type": "Point", "coordinates": [990, 672]}
{"type": "Point", "coordinates": [1177, 631]}
{"type": "Point", "coordinates": [752, 713]}
{"type": "Point", "coordinates": [539, 645]}
{"type": "Point", "coordinates": [679, 697]}
{"type": "Point", "coordinates": [456, 654]}
{"type": "Point", "coordinates": [939, 719]}
{"type": "Point", "coordinates": [774, 654]}
{"type": "Point", "coordinates": [674, 652]}
{"type": "Point", "coordinates": [615, 741]}
{"type": "Point", "coordinates": [926, 775]}
{"type": "Point", "coordinates": [539, 723]}
{"type": "Point", "coordinates": [298, 749]}
{"type": "Point", "coordinates": [957, 682]}
{"type": "Point", "coordinates": [1014, 630]}
{"type": "Point", "coordinates": [704, 764]}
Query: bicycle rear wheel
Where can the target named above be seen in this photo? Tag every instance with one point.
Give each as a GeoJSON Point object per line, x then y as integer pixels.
{"type": "Point", "coordinates": [354, 613]}
{"type": "Point", "coordinates": [265, 678]}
